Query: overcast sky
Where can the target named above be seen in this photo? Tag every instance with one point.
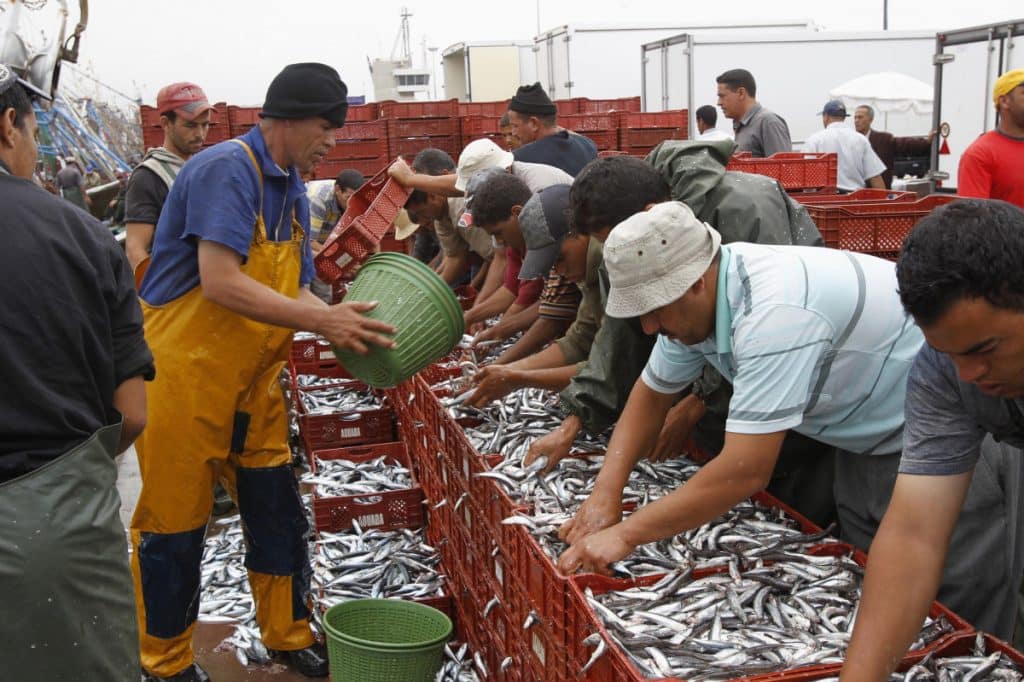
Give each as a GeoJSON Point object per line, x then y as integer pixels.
{"type": "Point", "coordinates": [233, 48]}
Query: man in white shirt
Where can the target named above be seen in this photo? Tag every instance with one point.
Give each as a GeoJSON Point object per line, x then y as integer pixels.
{"type": "Point", "coordinates": [859, 165]}
{"type": "Point", "coordinates": [707, 117]}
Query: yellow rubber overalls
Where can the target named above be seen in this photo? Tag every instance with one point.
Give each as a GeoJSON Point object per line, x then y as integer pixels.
{"type": "Point", "coordinates": [216, 408]}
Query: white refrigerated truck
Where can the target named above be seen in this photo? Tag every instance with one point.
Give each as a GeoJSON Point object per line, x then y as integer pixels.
{"type": "Point", "coordinates": [794, 71]}
{"type": "Point", "coordinates": [599, 61]}
{"type": "Point", "coordinates": [967, 63]}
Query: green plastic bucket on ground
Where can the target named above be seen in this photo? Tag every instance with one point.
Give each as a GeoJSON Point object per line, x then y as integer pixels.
{"type": "Point", "coordinates": [385, 640]}
{"type": "Point", "coordinates": [414, 299]}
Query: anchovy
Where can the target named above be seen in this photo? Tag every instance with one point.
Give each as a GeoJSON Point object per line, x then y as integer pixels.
{"type": "Point", "coordinates": [733, 625]}
{"type": "Point", "coordinates": [337, 477]}
{"type": "Point", "coordinates": [348, 397]}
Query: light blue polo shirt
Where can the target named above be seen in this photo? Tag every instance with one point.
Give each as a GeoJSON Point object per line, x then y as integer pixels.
{"type": "Point", "coordinates": [812, 339]}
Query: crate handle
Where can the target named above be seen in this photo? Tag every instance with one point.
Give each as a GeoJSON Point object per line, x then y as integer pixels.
{"type": "Point", "coordinates": [367, 501]}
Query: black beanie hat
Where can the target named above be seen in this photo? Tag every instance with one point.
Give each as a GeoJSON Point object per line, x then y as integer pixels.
{"type": "Point", "coordinates": [531, 99]}
{"type": "Point", "coordinates": [305, 91]}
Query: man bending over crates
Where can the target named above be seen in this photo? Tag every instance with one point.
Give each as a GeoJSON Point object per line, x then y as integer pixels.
{"type": "Point", "coordinates": [959, 275]}
{"type": "Point", "coordinates": [812, 340]}
{"type": "Point", "coordinates": [227, 285]}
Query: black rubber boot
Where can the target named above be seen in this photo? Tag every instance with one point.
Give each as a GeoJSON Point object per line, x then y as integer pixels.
{"type": "Point", "coordinates": [193, 673]}
{"type": "Point", "coordinates": [311, 661]}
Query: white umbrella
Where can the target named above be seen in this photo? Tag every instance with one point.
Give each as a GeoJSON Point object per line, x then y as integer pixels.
{"type": "Point", "coordinates": [886, 92]}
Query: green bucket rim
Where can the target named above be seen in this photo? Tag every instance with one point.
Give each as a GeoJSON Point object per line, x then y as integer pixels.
{"type": "Point", "coordinates": [424, 275]}
{"type": "Point", "coordinates": [393, 605]}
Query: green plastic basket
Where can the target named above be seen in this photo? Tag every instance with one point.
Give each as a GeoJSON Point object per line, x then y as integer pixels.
{"type": "Point", "coordinates": [414, 299]}
{"type": "Point", "coordinates": [384, 640]}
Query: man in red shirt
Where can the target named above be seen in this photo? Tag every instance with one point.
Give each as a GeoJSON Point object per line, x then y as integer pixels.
{"type": "Point", "coordinates": [993, 166]}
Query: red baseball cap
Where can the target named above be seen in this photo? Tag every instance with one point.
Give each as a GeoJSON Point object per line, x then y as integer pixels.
{"type": "Point", "coordinates": [185, 99]}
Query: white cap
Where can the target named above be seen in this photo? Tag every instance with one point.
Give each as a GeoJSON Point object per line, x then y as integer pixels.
{"type": "Point", "coordinates": [655, 256]}
{"type": "Point", "coordinates": [477, 156]}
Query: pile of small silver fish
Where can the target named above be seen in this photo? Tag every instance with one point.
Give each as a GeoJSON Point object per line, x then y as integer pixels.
{"type": "Point", "coordinates": [979, 666]}
{"type": "Point", "coordinates": [375, 564]}
{"type": "Point", "coordinates": [315, 380]}
{"type": "Point", "coordinates": [459, 664]}
{"type": "Point", "coordinates": [745, 533]}
{"type": "Point", "coordinates": [225, 594]}
{"type": "Point", "coordinates": [508, 426]}
{"type": "Point", "coordinates": [338, 477]}
{"type": "Point", "coordinates": [340, 398]}
{"type": "Point", "coordinates": [797, 611]}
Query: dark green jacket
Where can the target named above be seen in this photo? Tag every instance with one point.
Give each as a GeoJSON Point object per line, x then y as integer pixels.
{"type": "Point", "coordinates": [743, 208]}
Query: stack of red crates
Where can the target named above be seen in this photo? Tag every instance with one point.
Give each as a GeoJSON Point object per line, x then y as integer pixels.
{"type": "Point", "coordinates": [414, 126]}
{"type": "Point", "coordinates": [602, 128]}
{"type": "Point", "coordinates": [639, 133]}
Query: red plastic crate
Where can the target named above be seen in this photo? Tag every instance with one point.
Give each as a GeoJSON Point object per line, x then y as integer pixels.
{"type": "Point", "coordinates": [357, 149]}
{"type": "Point", "coordinates": [484, 108]}
{"type": "Point", "coordinates": [567, 107]}
{"type": "Point", "coordinates": [649, 137]}
{"type": "Point", "coordinates": [640, 151]}
{"type": "Point", "coordinates": [328, 169]}
{"type": "Point", "coordinates": [217, 132]}
{"type": "Point", "coordinates": [363, 130]}
{"type": "Point", "coordinates": [478, 126]}
{"type": "Point", "coordinates": [324, 431]}
{"type": "Point", "coordinates": [152, 137]}
{"type": "Point", "coordinates": [386, 510]}
{"type": "Point", "coordinates": [423, 127]}
{"type": "Point", "coordinates": [860, 195]}
{"type": "Point", "coordinates": [585, 105]}
{"type": "Point", "coordinates": [604, 154]}
{"type": "Point", "coordinates": [496, 138]}
{"type": "Point", "coordinates": [875, 228]}
{"type": "Point", "coordinates": [614, 666]}
{"type": "Point", "coordinates": [243, 116]}
{"type": "Point", "coordinates": [442, 108]}
{"type": "Point", "coordinates": [582, 123]}
{"type": "Point", "coordinates": [466, 295]}
{"type": "Point", "coordinates": [311, 350]}
{"type": "Point", "coordinates": [411, 146]}
{"type": "Point", "coordinates": [395, 451]}
{"type": "Point", "coordinates": [604, 139]}
{"type": "Point", "coordinates": [793, 170]}
{"type": "Point", "coordinates": [673, 118]}
{"type": "Point", "coordinates": [370, 214]}
{"type": "Point", "coordinates": [362, 112]}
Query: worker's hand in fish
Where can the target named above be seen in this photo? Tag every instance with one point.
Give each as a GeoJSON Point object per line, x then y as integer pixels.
{"type": "Point", "coordinates": [485, 335]}
{"type": "Point", "coordinates": [493, 382]}
{"type": "Point", "coordinates": [346, 326]}
{"type": "Point", "coordinates": [594, 553]}
{"type": "Point", "coordinates": [601, 510]}
{"type": "Point", "coordinates": [556, 445]}
{"type": "Point", "coordinates": [401, 171]}
{"type": "Point", "coordinates": [679, 424]}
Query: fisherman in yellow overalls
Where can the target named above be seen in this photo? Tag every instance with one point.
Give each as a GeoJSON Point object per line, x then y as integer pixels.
{"type": "Point", "coordinates": [227, 285]}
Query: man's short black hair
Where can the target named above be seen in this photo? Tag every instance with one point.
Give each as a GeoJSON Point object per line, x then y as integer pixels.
{"type": "Point", "coordinates": [607, 191]}
{"type": "Point", "coordinates": [494, 198]}
{"type": "Point", "coordinates": [734, 79]}
{"type": "Point", "coordinates": [17, 98]}
{"type": "Point", "coordinates": [505, 121]}
{"type": "Point", "coordinates": [349, 178]}
{"type": "Point", "coordinates": [708, 115]}
{"type": "Point", "coordinates": [432, 161]}
{"type": "Point", "coordinates": [972, 248]}
{"type": "Point", "coordinates": [870, 109]}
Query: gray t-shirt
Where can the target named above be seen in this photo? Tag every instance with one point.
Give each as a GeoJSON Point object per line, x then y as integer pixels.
{"type": "Point", "coordinates": [762, 133]}
{"type": "Point", "coordinates": [946, 419]}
